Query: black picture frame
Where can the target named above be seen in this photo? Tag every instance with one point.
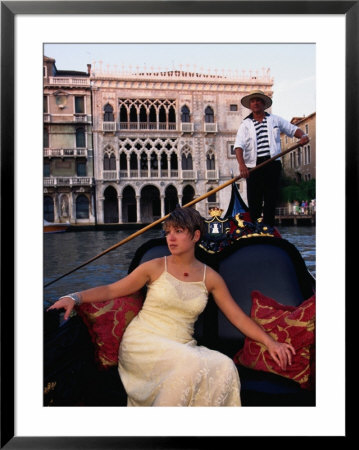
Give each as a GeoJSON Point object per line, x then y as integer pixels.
{"type": "Point", "coordinates": [9, 9]}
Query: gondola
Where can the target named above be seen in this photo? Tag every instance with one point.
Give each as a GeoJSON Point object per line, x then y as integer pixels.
{"type": "Point", "coordinates": [50, 227]}
{"type": "Point", "coordinates": [267, 277]}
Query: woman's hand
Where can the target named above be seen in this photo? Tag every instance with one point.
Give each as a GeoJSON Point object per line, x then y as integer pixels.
{"type": "Point", "coordinates": [281, 353]}
{"type": "Point", "coordinates": [65, 303]}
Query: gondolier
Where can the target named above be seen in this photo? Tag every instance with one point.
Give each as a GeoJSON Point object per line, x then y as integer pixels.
{"type": "Point", "coordinates": [258, 139]}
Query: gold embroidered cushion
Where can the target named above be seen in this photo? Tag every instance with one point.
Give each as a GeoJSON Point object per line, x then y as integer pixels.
{"type": "Point", "coordinates": [106, 323]}
{"type": "Point", "coordinates": [295, 325]}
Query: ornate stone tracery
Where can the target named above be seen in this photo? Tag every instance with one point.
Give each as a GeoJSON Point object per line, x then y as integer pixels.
{"type": "Point", "coordinates": [148, 112]}
{"type": "Point", "coordinates": [169, 136]}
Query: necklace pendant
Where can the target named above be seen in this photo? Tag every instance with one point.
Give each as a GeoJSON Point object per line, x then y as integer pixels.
{"type": "Point", "coordinates": [186, 274]}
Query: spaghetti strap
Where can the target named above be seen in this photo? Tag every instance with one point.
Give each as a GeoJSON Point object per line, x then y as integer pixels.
{"type": "Point", "coordinates": [204, 273]}
{"type": "Point", "coordinates": [165, 263]}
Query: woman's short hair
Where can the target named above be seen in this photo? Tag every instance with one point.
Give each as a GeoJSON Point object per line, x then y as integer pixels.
{"type": "Point", "coordinates": [187, 218]}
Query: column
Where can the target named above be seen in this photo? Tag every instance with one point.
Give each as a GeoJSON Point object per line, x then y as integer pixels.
{"type": "Point", "coordinates": [138, 209]}
{"type": "Point", "coordinates": [119, 198]}
{"type": "Point", "coordinates": [163, 205]}
{"type": "Point", "coordinates": [169, 166]}
{"type": "Point", "coordinates": [100, 206]}
{"type": "Point", "coordinates": [72, 207]}
{"type": "Point", "coordinates": [56, 208]}
{"type": "Point", "coordinates": [92, 209]}
{"type": "Point", "coordinates": [159, 166]}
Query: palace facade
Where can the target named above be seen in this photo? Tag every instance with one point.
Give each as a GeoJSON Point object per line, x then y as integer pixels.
{"type": "Point", "coordinates": [69, 185]}
{"type": "Point", "coordinates": [164, 138]}
{"type": "Point", "coordinates": [155, 139]}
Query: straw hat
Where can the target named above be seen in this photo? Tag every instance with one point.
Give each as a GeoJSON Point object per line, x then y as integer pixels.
{"type": "Point", "coordinates": [257, 94]}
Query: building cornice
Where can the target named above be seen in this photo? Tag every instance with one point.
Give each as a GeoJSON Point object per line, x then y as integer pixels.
{"type": "Point", "coordinates": [178, 86]}
{"type": "Point", "coordinates": [168, 79]}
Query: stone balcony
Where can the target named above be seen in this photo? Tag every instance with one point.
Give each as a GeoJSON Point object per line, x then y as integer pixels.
{"type": "Point", "coordinates": [129, 127]}
{"type": "Point", "coordinates": [72, 118]}
{"type": "Point", "coordinates": [185, 175]}
{"type": "Point", "coordinates": [111, 127]}
{"type": "Point", "coordinates": [187, 127]}
{"type": "Point", "coordinates": [65, 152]}
{"type": "Point", "coordinates": [210, 127]}
{"type": "Point", "coordinates": [69, 81]}
{"type": "Point", "coordinates": [67, 181]}
{"type": "Point", "coordinates": [212, 175]}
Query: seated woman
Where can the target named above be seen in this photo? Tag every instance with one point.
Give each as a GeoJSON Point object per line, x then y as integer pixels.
{"type": "Point", "coordinates": [160, 363]}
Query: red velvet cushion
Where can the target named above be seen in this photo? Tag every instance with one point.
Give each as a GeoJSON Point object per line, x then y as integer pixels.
{"type": "Point", "coordinates": [106, 322]}
{"type": "Point", "coordinates": [294, 325]}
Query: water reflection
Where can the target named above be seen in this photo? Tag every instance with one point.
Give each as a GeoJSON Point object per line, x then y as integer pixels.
{"type": "Point", "coordinates": [303, 237]}
{"type": "Point", "coordinates": [65, 251]}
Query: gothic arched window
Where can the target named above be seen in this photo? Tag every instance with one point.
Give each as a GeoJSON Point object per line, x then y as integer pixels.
{"type": "Point", "coordinates": [123, 161]}
{"type": "Point", "coordinates": [187, 163]}
{"type": "Point", "coordinates": [123, 114]}
{"type": "Point", "coordinates": [211, 165]}
{"type": "Point", "coordinates": [143, 114]}
{"type": "Point", "coordinates": [109, 162]}
{"type": "Point", "coordinates": [108, 113]}
{"type": "Point", "coordinates": [185, 114]}
{"type": "Point", "coordinates": [133, 114]}
{"type": "Point", "coordinates": [174, 161]}
{"type": "Point", "coordinates": [162, 114]}
{"type": "Point", "coordinates": [209, 115]}
{"type": "Point", "coordinates": [171, 115]}
{"type": "Point", "coordinates": [144, 161]}
{"type": "Point", "coordinates": [133, 161]}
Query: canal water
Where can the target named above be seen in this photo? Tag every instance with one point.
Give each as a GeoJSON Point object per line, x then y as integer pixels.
{"type": "Point", "coordinates": [65, 251]}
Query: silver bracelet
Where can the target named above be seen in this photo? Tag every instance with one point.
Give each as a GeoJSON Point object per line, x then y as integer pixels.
{"type": "Point", "coordinates": [75, 297]}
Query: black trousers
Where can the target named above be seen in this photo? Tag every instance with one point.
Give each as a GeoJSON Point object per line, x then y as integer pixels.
{"type": "Point", "coordinates": [263, 187]}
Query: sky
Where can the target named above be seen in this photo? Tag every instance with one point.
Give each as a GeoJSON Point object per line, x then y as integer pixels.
{"type": "Point", "coordinates": [292, 66]}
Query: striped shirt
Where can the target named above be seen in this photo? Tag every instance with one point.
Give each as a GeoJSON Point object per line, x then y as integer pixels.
{"type": "Point", "coordinates": [263, 148]}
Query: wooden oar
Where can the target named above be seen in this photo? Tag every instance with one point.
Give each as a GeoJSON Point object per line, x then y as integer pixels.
{"type": "Point", "coordinates": [158, 221]}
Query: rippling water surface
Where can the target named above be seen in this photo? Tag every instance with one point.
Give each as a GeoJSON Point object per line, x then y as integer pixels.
{"type": "Point", "coordinates": [303, 237]}
{"type": "Point", "coordinates": [65, 251]}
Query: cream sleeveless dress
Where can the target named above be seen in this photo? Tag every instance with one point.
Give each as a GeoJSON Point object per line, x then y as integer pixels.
{"type": "Point", "coordinates": [160, 363]}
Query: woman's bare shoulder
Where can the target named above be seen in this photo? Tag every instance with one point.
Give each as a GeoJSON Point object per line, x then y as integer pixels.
{"type": "Point", "coordinates": [212, 273]}
{"type": "Point", "coordinates": [213, 278]}
{"type": "Point", "coordinates": [155, 263]}
{"type": "Point", "coordinates": [153, 268]}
